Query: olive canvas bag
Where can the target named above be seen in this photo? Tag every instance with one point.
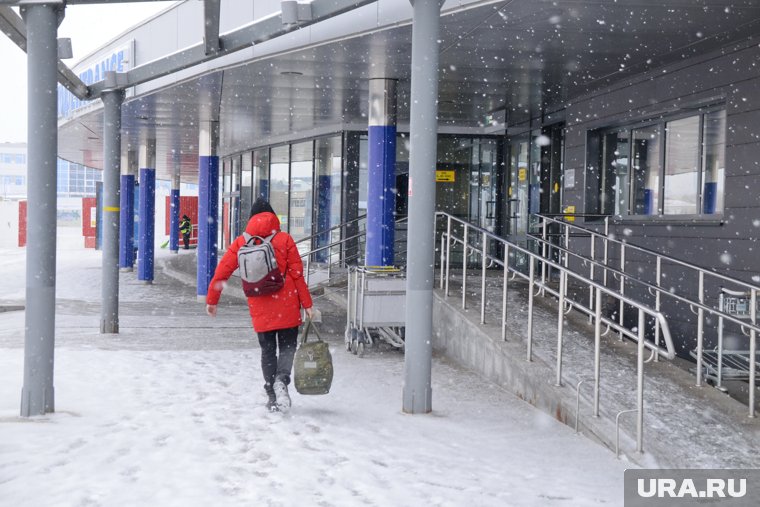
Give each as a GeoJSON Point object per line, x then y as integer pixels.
{"type": "Point", "coordinates": [312, 366]}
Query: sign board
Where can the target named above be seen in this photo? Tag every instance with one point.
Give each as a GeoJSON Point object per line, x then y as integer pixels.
{"type": "Point", "coordinates": [92, 70]}
{"type": "Point", "coordinates": [569, 210]}
{"type": "Point", "coordinates": [569, 178]}
{"type": "Point", "coordinates": [522, 174]}
{"type": "Point", "coordinates": [445, 176]}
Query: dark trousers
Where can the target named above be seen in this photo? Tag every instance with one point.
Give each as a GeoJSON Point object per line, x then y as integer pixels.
{"type": "Point", "coordinates": [272, 366]}
{"type": "Point", "coordinates": [186, 240]}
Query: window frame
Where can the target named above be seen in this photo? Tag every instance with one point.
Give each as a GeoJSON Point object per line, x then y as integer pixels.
{"type": "Point", "coordinates": [661, 123]}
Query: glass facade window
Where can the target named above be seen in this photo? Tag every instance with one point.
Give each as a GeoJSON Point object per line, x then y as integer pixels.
{"type": "Point", "coordinates": [279, 179]}
{"type": "Point", "coordinates": [673, 166]}
{"type": "Point", "coordinates": [646, 170]}
{"type": "Point", "coordinates": [681, 166]}
{"type": "Point", "coordinates": [328, 167]}
{"type": "Point", "coordinates": [301, 190]}
{"type": "Point", "coordinates": [246, 189]}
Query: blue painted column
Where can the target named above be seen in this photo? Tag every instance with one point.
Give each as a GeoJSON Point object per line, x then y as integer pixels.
{"type": "Point", "coordinates": [208, 204]}
{"type": "Point", "coordinates": [128, 211]}
{"type": "Point", "coordinates": [127, 222]}
{"type": "Point", "coordinates": [324, 205]}
{"type": "Point", "coordinates": [174, 210]}
{"type": "Point", "coordinates": [381, 198]}
{"type": "Point", "coordinates": [147, 213]}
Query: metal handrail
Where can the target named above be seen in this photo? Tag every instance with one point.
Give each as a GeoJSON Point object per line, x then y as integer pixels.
{"type": "Point", "coordinates": [447, 238]}
{"type": "Point", "coordinates": [339, 226]}
{"type": "Point", "coordinates": [306, 256]}
{"type": "Point", "coordinates": [658, 291]}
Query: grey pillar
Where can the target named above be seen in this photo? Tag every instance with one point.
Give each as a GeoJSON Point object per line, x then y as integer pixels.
{"type": "Point", "coordinates": [37, 394]}
{"type": "Point", "coordinates": [109, 310]}
{"type": "Point", "coordinates": [420, 246]}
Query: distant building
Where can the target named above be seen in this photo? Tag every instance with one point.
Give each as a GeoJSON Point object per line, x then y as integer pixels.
{"type": "Point", "coordinates": [12, 171]}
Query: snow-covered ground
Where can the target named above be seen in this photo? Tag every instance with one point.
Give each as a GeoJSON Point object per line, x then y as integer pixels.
{"type": "Point", "coordinates": [170, 412]}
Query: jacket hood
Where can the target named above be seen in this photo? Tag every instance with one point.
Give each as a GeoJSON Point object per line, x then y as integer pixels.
{"type": "Point", "coordinates": [263, 224]}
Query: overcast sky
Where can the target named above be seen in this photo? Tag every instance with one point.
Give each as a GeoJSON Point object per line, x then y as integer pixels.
{"type": "Point", "coordinates": [89, 27]}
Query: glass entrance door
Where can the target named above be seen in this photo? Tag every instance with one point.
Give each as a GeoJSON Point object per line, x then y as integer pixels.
{"type": "Point", "coordinates": [518, 195]}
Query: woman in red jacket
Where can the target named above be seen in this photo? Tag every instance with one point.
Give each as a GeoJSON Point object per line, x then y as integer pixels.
{"type": "Point", "coordinates": [276, 316]}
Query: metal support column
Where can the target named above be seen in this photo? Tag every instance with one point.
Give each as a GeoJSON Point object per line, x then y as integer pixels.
{"type": "Point", "coordinates": [208, 203]}
{"type": "Point", "coordinates": [381, 178]}
{"type": "Point", "coordinates": [37, 394]}
{"type": "Point", "coordinates": [420, 248]}
{"type": "Point", "coordinates": [109, 310]}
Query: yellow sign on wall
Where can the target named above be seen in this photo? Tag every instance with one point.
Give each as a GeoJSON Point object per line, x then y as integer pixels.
{"type": "Point", "coordinates": [569, 210]}
{"type": "Point", "coordinates": [445, 176]}
{"type": "Point", "coordinates": [522, 174]}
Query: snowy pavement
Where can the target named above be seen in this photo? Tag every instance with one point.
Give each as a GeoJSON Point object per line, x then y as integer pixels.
{"type": "Point", "coordinates": [170, 412]}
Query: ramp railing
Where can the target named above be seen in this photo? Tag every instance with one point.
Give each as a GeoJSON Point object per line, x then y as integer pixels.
{"type": "Point", "coordinates": [627, 278]}
{"type": "Point", "coordinates": [493, 250]}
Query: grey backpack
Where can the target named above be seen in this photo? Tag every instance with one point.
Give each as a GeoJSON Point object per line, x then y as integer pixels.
{"type": "Point", "coordinates": [258, 266]}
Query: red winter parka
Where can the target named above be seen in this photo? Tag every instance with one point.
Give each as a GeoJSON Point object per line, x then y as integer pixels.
{"type": "Point", "coordinates": [282, 309]}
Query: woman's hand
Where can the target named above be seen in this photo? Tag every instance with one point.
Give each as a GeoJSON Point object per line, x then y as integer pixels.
{"type": "Point", "coordinates": [309, 312]}
{"type": "Point", "coordinates": [211, 310]}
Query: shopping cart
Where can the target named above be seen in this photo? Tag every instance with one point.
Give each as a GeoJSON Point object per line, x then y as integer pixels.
{"type": "Point", "coordinates": [376, 307]}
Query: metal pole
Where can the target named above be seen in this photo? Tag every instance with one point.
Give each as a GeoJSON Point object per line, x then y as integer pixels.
{"type": "Point", "coordinates": [597, 348]}
{"type": "Point", "coordinates": [700, 328]}
{"type": "Point", "coordinates": [640, 386]}
{"type": "Point", "coordinates": [37, 394]}
{"type": "Point", "coordinates": [657, 305]}
{"type": "Point", "coordinates": [621, 317]}
{"type": "Point", "coordinates": [417, 393]}
{"type": "Point", "coordinates": [464, 268]}
{"type": "Point", "coordinates": [483, 280]}
{"type": "Point", "coordinates": [531, 274]}
{"type": "Point", "coordinates": [109, 311]}
{"type": "Point", "coordinates": [560, 324]}
{"type": "Point", "coordinates": [504, 294]}
{"type": "Point", "coordinates": [752, 352]}
{"type": "Point", "coordinates": [448, 252]}
{"type": "Point", "coordinates": [591, 275]}
{"type": "Point", "coordinates": [545, 252]}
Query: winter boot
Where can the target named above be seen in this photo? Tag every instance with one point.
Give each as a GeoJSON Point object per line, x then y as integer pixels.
{"type": "Point", "coordinates": [271, 398]}
{"type": "Point", "coordinates": [282, 396]}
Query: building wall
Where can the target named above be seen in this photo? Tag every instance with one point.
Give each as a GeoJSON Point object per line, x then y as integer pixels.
{"type": "Point", "coordinates": [726, 244]}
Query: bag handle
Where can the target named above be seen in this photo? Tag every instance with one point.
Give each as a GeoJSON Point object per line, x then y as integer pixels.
{"type": "Point", "coordinates": [307, 327]}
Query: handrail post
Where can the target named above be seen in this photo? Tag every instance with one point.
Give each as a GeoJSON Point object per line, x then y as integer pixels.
{"type": "Point", "coordinates": [505, 284]}
{"type": "Point", "coordinates": [591, 274]}
{"type": "Point", "coordinates": [484, 258]}
{"type": "Point", "coordinates": [440, 264]}
{"type": "Point", "coordinates": [597, 348]}
{"type": "Point", "coordinates": [621, 317]}
{"type": "Point", "coordinates": [657, 297]}
{"type": "Point", "coordinates": [560, 325]}
{"type": "Point", "coordinates": [464, 268]}
{"type": "Point", "coordinates": [700, 328]}
{"type": "Point", "coordinates": [544, 249]}
{"type": "Point", "coordinates": [752, 352]}
{"type": "Point", "coordinates": [640, 386]}
{"type": "Point", "coordinates": [308, 270]}
{"type": "Point", "coordinates": [448, 252]}
{"type": "Point", "coordinates": [531, 274]}
{"type": "Point", "coordinates": [606, 247]}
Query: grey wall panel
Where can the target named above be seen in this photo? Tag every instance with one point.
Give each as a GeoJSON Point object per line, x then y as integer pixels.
{"type": "Point", "coordinates": [743, 128]}
{"type": "Point", "coordinates": [743, 191]}
{"type": "Point", "coordinates": [742, 160]}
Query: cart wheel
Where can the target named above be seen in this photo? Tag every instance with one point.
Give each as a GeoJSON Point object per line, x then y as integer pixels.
{"type": "Point", "coordinates": [351, 346]}
{"type": "Point", "coordinates": [360, 349]}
